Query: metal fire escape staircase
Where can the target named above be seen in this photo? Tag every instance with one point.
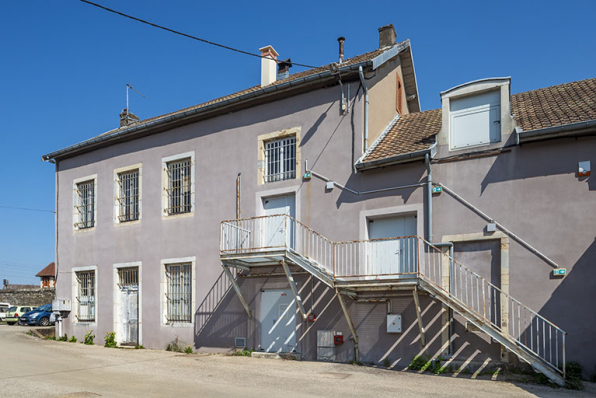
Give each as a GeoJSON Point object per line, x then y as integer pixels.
{"type": "Point", "coordinates": [402, 263]}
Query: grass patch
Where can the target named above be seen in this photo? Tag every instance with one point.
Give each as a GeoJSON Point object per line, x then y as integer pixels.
{"type": "Point", "coordinates": [244, 352]}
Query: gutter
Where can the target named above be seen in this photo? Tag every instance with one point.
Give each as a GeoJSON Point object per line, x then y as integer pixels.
{"type": "Point", "coordinates": [566, 130]}
{"type": "Point", "coordinates": [403, 158]}
{"type": "Point", "coordinates": [179, 116]}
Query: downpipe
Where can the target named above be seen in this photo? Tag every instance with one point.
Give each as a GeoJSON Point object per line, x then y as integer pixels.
{"type": "Point", "coordinates": [365, 89]}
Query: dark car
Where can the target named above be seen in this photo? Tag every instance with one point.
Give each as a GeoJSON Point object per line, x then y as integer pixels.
{"type": "Point", "coordinates": [38, 316]}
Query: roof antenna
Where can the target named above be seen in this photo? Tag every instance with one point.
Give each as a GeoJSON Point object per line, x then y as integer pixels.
{"type": "Point", "coordinates": [128, 86]}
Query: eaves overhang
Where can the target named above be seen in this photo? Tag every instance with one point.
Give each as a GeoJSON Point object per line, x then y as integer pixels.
{"type": "Point", "coordinates": [397, 159]}
{"type": "Point", "coordinates": [567, 130]}
{"type": "Point", "coordinates": [264, 94]}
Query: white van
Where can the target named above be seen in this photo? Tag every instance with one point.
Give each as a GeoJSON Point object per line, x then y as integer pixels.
{"type": "Point", "coordinates": [3, 310]}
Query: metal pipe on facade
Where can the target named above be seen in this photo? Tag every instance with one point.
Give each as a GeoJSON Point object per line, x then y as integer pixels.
{"type": "Point", "coordinates": [365, 89]}
{"type": "Point", "coordinates": [429, 193]}
{"type": "Point", "coordinates": [337, 184]}
{"type": "Point", "coordinates": [501, 227]}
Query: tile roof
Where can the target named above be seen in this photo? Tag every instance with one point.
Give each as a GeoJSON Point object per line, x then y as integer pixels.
{"type": "Point", "coordinates": [537, 109]}
{"type": "Point", "coordinates": [49, 270]}
{"type": "Point", "coordinates": [351, 61]}
{"type": "Point", "coordinates": [555, 106]}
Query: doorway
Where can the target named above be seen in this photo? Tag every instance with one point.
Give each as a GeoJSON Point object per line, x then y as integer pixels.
{"type": "Point", "coordinates": [391, 256]}
{"type": "Point", "coordinates": [128, 316]}
{"type": "Point", "coordinates": [278, 231]}
{"type": "Point", "coordinates": [278, 321]}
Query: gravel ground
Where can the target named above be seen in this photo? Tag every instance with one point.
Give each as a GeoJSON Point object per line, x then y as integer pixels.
{"type": "Point", "coordinates": [38, 368]}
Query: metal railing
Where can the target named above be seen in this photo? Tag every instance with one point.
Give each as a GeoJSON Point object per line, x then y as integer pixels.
{"type": "Point", "coordinates": [493, 307]}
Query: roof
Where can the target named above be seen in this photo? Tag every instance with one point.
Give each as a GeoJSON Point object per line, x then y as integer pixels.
{"type": "Point", "coordinates": [293, 81]}
{"type": "Point", "coordinates": [49, 270]}
{"type": "Point", "coordinates": [565, 104]}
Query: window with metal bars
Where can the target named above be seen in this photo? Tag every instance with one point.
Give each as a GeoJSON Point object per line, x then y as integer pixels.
{"type": "Point", "coordinates": [86, 296]}
{"type": "Point", "coordinates": [179, 186]}
{"type": "Point", "coordinates": [128, 196]}
{"type": "Point", "coordinates": [280, 159]}
{"type": "Point", "coordinates": [179, 293]}
{"type": "Point", "coordinates": [86, 204]}
{"type": "Point", "coordinates": [128, 277]}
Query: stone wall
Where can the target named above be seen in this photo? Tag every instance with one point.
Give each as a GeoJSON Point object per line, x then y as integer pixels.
{"type": "Point", "coordinates": [31, 296]}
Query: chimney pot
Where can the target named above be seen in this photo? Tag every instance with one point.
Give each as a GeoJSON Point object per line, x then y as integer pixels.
{"type": "Point", "coordinates": [283, 69]}
{"type": "Point", "coordinates": [386, 36]}
{"type": "Point", "coordinates": [341, 40]}
{"type": "Point", "coordinates": [268, 65]}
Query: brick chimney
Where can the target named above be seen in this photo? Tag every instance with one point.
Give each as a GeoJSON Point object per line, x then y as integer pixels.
{"type": "Point", "coordinates": [386, 36]}
{"type": "Point", "coordinates": [268, 65]}
{"type": "Point", "coordinates": [127, 118]}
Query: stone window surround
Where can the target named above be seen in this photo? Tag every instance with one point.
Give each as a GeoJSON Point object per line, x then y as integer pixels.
{"type": "Point", "coordinates": [289, 132]}
{"type": "Point", "coordinates": [163, 288]}
{"type": "Point", "coordinates": [125, 169]}
{"type": "Point", "coordinates": [75, 202]}
{"type": "Point", "coordinates": [75, 290]}
{"type": "Point", "coordinates": [165, 182]}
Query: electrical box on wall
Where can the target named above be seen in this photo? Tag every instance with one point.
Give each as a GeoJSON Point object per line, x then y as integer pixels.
{"type": "Point", "coordinates": [393, 323]}
{"type": "Point", "coordinates": [61, 305]}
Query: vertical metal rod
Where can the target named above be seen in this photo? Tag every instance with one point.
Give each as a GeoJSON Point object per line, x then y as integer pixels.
{"type": "Point", "coordinates": [350, 324]}
{"type": "Point", "coordinates": [419, 317]}
{"type": "Point", "coordinates": [237, 290]}
{"type": "Point", "coordinates": [238, 197]}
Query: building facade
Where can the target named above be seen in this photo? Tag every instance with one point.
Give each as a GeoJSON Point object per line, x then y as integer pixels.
{"type": "Point", "coordinates": [359, 228]}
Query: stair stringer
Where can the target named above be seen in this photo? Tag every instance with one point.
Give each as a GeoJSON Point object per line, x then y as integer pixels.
{"type": "Point", "coordinates": [511, 345]}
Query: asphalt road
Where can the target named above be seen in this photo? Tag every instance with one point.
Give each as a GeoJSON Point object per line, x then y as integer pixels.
{"type": "Point", "coordinates": [30, 367]}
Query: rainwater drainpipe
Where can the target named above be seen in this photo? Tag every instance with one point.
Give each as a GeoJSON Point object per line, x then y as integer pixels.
{"type": "Point", "coordinates": [363, 82]}
{"type": "Point", "coordinates": [429, 193]}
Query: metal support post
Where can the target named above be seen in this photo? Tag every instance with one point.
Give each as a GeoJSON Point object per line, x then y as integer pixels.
{"type": "Point", "coordinates": [237, 289]}
{"type": "Point", "coordinates": [419, 316]}
{"type": "Point", "coordinates": [293, 287]}
{"type": "Point", "coordinates": [350, 324]}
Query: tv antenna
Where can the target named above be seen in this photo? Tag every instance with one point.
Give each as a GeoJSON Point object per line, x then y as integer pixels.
{"type": "Point", "coordinates": [129, 87]}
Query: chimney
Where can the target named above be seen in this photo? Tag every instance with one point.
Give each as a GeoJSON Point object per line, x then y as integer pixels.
{"type": "Point", "coordinates": [283, 70]}
{"type": "Point", "coordinates": [386, 36]}
{"type": "Point", "coordinates": [127, 118]}
{"type": "Point", "coordinates": [268, 65]}
{"type": "Point", "coordinates": [341, 49]}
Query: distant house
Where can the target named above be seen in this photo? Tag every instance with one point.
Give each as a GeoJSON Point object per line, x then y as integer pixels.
{"type": "Point", "coordinates": [47, 276]}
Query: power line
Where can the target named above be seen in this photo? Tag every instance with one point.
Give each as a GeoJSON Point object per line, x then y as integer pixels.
{"type": "Point", "coordinates": [26, 209]}
{"type": "Point", "coordinates": [185, 34]}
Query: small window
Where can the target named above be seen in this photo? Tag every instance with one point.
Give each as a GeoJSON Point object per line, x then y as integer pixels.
{"type": "Point", "coordinates": [86, 204]}
{"type": "Point", "coordinates": [128, 196]}
{"type": "Point", "coordinates": [86, 296]}
{"type": "Point", "coordinates": [179, 186]}
{"type": "Point", "coordinates": [179, 293]}
{"type": "Point", "coordinates": [280, 159]}
{"type": "Point", "coordinates": [475, 120]}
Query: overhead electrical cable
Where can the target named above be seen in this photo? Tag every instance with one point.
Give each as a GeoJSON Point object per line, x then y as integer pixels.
{"type": "Point", "coordinates": [26, 209]}
{"type": "Point", "coordinates": [185, 34]}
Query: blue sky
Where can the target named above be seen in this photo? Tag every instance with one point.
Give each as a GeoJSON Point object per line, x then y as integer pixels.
{"type": "Point", "coordinates": [65, 65]}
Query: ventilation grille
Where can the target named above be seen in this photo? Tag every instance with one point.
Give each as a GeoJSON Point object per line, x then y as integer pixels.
{"type": "Point", "coordinates": [240, 342]}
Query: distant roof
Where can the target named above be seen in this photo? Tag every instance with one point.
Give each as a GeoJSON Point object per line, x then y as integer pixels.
{"type": "Point", "coordinates": [560, 105]}
{"type": "Point", "coordinates": [49, 270]}
{"type": "Point", "coordinates": [292, 81]}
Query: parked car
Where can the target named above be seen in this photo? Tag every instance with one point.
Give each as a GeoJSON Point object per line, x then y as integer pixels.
{"type": "Point", "coordinates": [3, 310]}
{"type": "Point", "coordinates": [14, 312]}
{"type": "Point", "coordinates": [38, 316]}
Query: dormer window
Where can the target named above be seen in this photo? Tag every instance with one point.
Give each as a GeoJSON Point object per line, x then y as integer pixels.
{"type": "Point", "coordinates": [475, 120]}
{"type": "Point", "coordinates": [476, 114]}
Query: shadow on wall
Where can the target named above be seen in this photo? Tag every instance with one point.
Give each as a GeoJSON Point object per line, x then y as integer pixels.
{"type": "Point", "coordinates": [572, 307]}
{"type": "Point", "coordinates": [542, 159]}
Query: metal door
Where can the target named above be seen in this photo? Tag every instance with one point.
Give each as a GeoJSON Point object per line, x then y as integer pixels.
{"type": "Point", "coordinates": [278, 321]}
{"type": "Point", "coordinates": [391, 256]}
{"type": "Point", "coordinates": [278, 231]}
{"type": "Point", "coordinates": [128, 333]}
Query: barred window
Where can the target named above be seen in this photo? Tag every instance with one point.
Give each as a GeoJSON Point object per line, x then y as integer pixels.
{"type": "Point", "coordinates": [86, 204]}
{"type": "Point", "coordinates": [179, 293]}
{"type": "Point", "coordinates": [280, 159]}
{"type": "Point", "coordinates": [128, 196]}
{"type": "Point", "coordinates": [86, 296]}
{"type": "Point", "coordinates": [179, 186]}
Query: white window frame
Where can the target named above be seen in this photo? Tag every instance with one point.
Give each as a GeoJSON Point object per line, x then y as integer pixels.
{"type": "Point", "coordinates": [75, 293]}
{"type": "Point", "coordinates": [164, 289]}
{"type": "Point", "coordinates": [282, 174]}
{"type": "Point", "coordinates": [165, 184]}
{"type": "Point", "coordinates": [75, 202]}
{"type": "Point", "coordinates": [117, 172]}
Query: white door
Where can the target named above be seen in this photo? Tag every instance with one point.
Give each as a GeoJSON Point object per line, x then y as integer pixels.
{"type": "Point", "coordinates": [129, 315]}
{"type": "Point", "coordinates": [278, 321]}
{"type": "Point", "coordinates": [274, 228]}
{"type": "Point", "coordinates": [391, 256]}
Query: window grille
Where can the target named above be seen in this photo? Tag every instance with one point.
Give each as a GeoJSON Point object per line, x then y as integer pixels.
{"type": "Point", "coordinates": [280, 159]}
{"type": "Point", "coordinates": [179, 294]}
{"type": "Point", "coordinates": [128, 197]}
{"type": "Point", "coordinates": [179, 186]}
{"type": "Point", "coordinates": [86, 297]}
{"type": "Point", "coordinates": [86, 205]}
{"type": "Point", "coordinates": [128, 277]}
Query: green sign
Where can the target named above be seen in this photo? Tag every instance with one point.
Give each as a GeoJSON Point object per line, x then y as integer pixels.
{"type": "Point", "coordinates": [307, 175]}
{"type": "Point", "coordinates": [438, 189]}
{"type": "Point", "coordinates": [559, 272]}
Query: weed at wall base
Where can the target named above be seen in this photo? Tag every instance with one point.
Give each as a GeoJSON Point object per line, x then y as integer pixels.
{"type": "Point", "coordinates": [110, 340]}
{"type": "Point", "coordinates": [89, 338]}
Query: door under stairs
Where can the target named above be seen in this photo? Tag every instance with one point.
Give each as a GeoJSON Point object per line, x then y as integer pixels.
{"type": "Point", "coordinates": [411, 263]}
